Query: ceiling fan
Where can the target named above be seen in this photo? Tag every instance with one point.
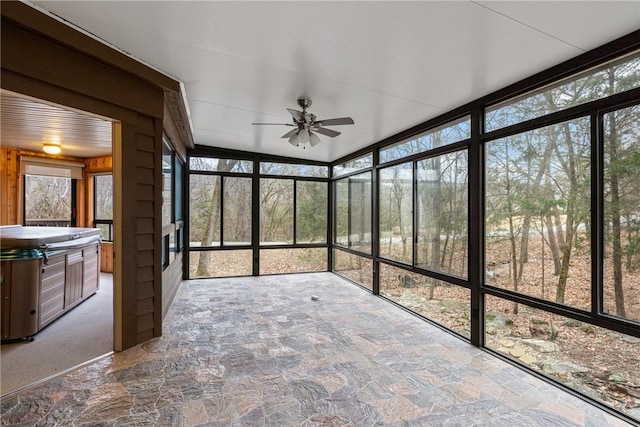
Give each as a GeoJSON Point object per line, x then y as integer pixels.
{"type": "Point", "coordinates": [306, 124]}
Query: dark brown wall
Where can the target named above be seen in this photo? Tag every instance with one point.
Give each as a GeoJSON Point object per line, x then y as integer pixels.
{"type": "Point", "coordinates": [171, 279]}
{"type": "Point", "coordinates": [46, 59]}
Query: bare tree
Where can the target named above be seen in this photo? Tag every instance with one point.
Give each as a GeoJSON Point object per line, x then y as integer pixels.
{"type": "Point", "coordinates": [212, 217]}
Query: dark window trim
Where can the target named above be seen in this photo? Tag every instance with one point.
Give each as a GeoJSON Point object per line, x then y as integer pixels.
{"type": "Point", "coordinates": [219, 248]}
{"type": "Point", "coordinates": [97, 220]}
{"type": "Point", "coordinates": [567, 114]}
{"type": "Point", "coordinates": [226, 153]}
{"type": "Point", "coordinates": [296, 177]}
{"type": "Point", "coordinates": [255, 176]}
{"type": "Point", "coordinates": [222, 173]}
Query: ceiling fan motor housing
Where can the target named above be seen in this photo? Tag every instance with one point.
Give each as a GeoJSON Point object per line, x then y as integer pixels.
{"type": "Point", "coordinates": [304, 103]}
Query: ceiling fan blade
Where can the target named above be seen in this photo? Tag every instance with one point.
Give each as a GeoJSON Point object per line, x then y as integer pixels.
{"type": "Point", "coordinates": [327, 132]}
{"type": "Point", "coordinates": [277, 124]}
{"type": "Point", "coordinates": [335, 122]}
{"type": "Point", "coordinates": [290, 133]}
{"type": "Point", "coordinates": [297, 115]}
{"type": "Point", "coordinates": [313, 139]}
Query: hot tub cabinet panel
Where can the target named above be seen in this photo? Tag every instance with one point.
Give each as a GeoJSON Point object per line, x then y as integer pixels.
{"type": "Point", "coordinates": [52, 290]}
{"type": "Point", "coordinates": [40, 285]}
{"type": "Point", "coordinates": [73, 283]}
{"type": "Point", "coordinates": [91, 267]}
{"type": "Point", "coordinates": [20, 281]}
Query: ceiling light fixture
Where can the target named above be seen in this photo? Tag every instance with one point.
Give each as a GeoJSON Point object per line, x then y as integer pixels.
{"type": "Point", "coordinates": [303, 136]}
{"type": "Point", "coordinates": [51, 148]}
{"type": "Point", "coordinates": [313, 139]}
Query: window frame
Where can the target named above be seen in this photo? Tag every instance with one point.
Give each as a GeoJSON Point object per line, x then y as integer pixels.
{"type": "Point", "coordinates": [50, 223]}
{"type": "Point", "coordinates": [256, 176]}
{"type": "Point", "coordinates": [594, 109]}
{"type": "Point", "coordinates": [98, 221]}
{"type": "Point", "coordinates": [172, 232]}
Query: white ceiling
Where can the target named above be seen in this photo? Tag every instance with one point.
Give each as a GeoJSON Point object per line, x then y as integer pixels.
{"type": "Point", "coordinates": [389, 65]}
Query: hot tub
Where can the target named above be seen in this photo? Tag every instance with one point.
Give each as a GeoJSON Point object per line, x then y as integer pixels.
{"type": "Point", "coordinates": [45, 272]}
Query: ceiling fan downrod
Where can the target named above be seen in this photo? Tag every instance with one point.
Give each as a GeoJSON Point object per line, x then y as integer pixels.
{"type": "Point", "coordinates": [304, 103]}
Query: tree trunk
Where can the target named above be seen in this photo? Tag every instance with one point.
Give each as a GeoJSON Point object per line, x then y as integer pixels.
{"type": "Point", "coordinates": [514, 263]}
{"type": "Point", "coordinates": [536, 195]}
{"type": "Point", "coordinates": [513, 267]}
{"type": "Point", "coordinates": [616, 238]}
{"type": "Point", "coordinates": [524, 245]}
{"type": "Point", "coordinates": [571, 227]}
{"type": "Point", "coordinates": [437, 209]}
{"type": "Point", "coordinates": [633, 243]}
{"type": "Point", "coordinates": [398, 192]}
{"type": "Point", "coordinates": [447, 236]}
{"type": "Point", "coordinates": [553, 245]}
{"type": "Point", "coordinates": [213, 214]}
{"type": "Point", "coordinates": [542, 290]}
{"type": "Point", "coordinates": [424, 225]}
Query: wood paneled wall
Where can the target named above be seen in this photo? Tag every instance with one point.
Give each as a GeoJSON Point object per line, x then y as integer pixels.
{"type": "Point", "coordinates": [102, 164]}
{"type": "Point", "coordinates": [106, 257]}
{"type": "Point", "coordinates": [171, 279]}
{"type": "Point", "coordinates": [11, 185]}
{"type": "Point", "coordinates": [43, 58]}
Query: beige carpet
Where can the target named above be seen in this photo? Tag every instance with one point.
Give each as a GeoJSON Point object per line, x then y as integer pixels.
{"type": "Point", "coordinates": [86, 332]}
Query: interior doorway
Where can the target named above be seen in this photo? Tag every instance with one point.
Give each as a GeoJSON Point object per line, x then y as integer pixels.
{"type": "Point", "coordinates": [86, 332]}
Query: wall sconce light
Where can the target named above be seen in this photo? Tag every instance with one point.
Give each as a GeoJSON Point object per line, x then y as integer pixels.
{"type": "Point", "coordinates": [51, 148]}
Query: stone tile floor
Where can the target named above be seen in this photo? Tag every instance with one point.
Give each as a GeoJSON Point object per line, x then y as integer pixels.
{"type": "Point", "coordinates": [259, 352]}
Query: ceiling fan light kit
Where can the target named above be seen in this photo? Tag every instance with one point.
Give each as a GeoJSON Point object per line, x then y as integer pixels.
{"type": "Point", "coordinates": [306, 124]}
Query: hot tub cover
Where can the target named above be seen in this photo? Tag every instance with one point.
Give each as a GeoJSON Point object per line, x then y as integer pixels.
{"type": "Point", "coordinates": [21, 237]}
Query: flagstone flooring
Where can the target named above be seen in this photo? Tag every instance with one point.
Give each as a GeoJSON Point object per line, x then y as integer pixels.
{"type": "Point", "coordinates": [258, 351]}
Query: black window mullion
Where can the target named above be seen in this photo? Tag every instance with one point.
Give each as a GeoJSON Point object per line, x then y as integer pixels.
{"type": "Point", "coordinates": [295, 211]}
{"type": "Point", "coordinates": [186, 204]}
{"type": "Point", "coordinates": [173, 187]}
{"type": "Point", "coordinates": [375, 223]}
{"type": "Point", "coordinates": [221, 212]}
{"type": "Point", "coordinates": [255, 217]}
{"type": "Point", "coordinates": [24, 200]}
{"type": "Point", "coordinates": [96, 220]}
{"type": "Point", "coordinates": [597, 213]}
{"type": "Point", "coordinates": [414, 212]}
{"type": "Point", "coordinates": [329, 225]}
{"type": "Point", "coordinates": [334, 215]}
{"type": "Point", "coordinates": [475, 228]}
{"type": "Point", "coordinates": [74, 200]}
{"type": "Point", "coordinates": [348, 212]}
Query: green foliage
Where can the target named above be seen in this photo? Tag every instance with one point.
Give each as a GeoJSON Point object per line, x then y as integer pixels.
{"type": "Point", "coordinates": [311, 219]}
